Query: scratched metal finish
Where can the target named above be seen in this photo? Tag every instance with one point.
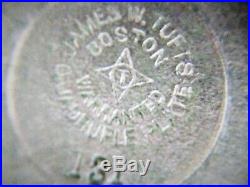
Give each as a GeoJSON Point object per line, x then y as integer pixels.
{"type": "Point", "coordinates": [164, 82]}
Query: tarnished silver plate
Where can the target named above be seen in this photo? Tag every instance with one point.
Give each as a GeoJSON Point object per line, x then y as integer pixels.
{"type": "Point", "coordinates": [86, 82]}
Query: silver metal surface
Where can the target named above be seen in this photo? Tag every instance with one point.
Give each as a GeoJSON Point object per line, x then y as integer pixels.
{"type": "Point", "coordinates": [160, 81]}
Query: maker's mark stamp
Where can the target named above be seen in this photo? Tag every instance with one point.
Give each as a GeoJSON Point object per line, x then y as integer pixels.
{"type": "Point", "coordinates": [123, 75]}
{"type": "Point", "coordinates": [143, 94]}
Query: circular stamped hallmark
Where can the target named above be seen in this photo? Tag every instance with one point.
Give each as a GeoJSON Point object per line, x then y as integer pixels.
{"type": "Point", "coordinates": [97, 80]}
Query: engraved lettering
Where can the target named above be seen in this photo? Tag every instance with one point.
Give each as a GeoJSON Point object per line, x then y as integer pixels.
{"type": "Point", "coordinates": [105, 39]}
{"type": "Point", "coordinates": [71, 48]}
{"type": "Point", "coordinates": [75, 172]}
{"type": "Point", "coordinates": [107, 132]}
{"type": "Point", "coordinates": [115, 15]}
{"type": "Point", "coordinates": [158, 23]}
{"type": "Point", "coordinates": [149, 45]}
{"type": "Point", "coordinates": [73, 112]}
{"type": "Point", "coordinates": [94, 48]}
{"type": "Point", "coordinates": [181, 55]}
{"type": "Point", "coordinates": [136, 14]}
{"type": "Point", "coordinates": [83, 32]}
{"type": "Point", "coordinates": [153, 100]}
{"type": "Point", "coordinates": [101, 19]}
{"type": "Point", "coordinates": [176, 107]}
{"type": "Point", "coordinates": [160, 59]}
{"type": "Point", "coordinates": [185, 91]}
{"type": "Point", "coordinates": [139, 34]}
{"type": "Point", "coordinates": [165, 31]}
{"type": "Point", "coordinates": [84, 86]}
{"type": "Point", "coordinates": [91, 24]}
{"type": "Point", "coordinates": [185, 69]}
{"type": "Point", "coordinates": [112, 121]}
{"type": "Point", "coordinates": [121, 34]}
{"type": "Point", "coordinates": [177, 41]}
